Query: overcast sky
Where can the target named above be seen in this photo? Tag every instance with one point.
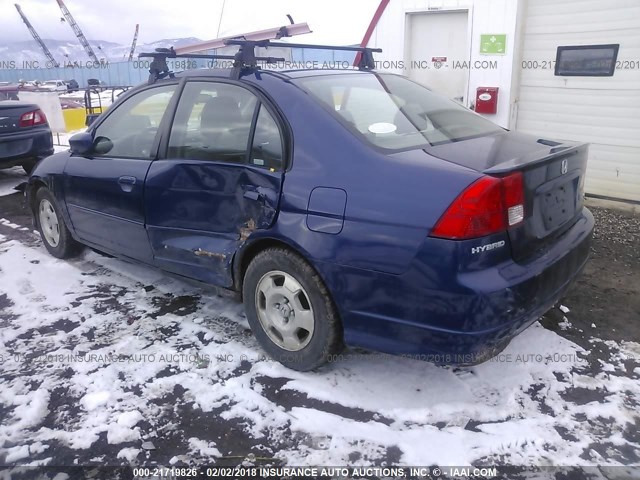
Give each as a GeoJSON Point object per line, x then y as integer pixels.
{"type": "Point", "coordinates": [333, 21]}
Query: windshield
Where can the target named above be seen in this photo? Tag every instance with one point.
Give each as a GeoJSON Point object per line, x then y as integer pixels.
{"type": "Point", "coordinates": [392, 112]}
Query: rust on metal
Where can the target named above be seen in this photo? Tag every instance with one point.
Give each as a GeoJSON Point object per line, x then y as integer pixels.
{"type": "Point", "coordinates": [204, 253]}
{"type": "Point", "coordinates": [247, 229]}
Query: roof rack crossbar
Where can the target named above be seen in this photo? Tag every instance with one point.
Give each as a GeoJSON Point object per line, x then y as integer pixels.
{"type": "Point", "coordinates": [245, 57]}
{"type": "Point", "coordinates": [242, 59]}
{"type": "Point", "coordinates": [365, 62]}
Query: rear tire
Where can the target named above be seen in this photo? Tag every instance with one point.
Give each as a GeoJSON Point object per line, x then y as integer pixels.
{"type": "Point", "coordinates": [54, 233]}
{"type": "Point", "coordinates": [290, 310]}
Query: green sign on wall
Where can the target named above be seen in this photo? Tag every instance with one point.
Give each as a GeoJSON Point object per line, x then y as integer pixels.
{"type": "Point", "coordinates": [493, 44]}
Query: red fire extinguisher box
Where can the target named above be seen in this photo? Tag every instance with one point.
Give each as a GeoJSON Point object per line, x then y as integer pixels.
{"type": "Point", "coordinates": [487, 100]}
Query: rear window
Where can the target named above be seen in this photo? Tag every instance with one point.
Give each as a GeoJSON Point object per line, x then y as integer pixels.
{"type": "Point", "coordinates": [392, 112]}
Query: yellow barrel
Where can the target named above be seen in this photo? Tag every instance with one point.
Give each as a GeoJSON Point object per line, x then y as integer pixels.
{"type": "Point", "coordinates": [75, 118]}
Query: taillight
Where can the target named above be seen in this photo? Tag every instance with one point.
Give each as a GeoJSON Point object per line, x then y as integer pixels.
{"type": "Point", "coordinates": [489, 205]}
{"type": "Point", "coordinates": [513, 188]}
{"type": "Point", "coordinates": [33, 118]}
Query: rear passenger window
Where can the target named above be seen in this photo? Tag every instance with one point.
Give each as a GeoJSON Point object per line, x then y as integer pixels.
{"type": "Point", "coordinates": [212, 122]}
{"type": "Point", "coordinates": [267, 142]}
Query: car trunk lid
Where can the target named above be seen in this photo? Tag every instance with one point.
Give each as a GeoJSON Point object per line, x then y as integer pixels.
{"type": "Point", "coordinates": [553, 175]}
{"type": "Point", "coordinates": [10, 113]}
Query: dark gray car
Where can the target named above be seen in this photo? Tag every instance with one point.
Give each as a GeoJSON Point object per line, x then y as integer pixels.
{"type": "Point", "coordinates": [25, 136]}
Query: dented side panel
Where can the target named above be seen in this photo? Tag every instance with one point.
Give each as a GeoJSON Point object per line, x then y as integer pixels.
{"type": "Point", "coordinates": [199, 213]}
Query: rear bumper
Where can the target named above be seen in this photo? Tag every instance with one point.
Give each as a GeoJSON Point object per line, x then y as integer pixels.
{"type": "Point", "coordinates": [456, 317]}
{"type": "Point", "coordinates": [19, 148]}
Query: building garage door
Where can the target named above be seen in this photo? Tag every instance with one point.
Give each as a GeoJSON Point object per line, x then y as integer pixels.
{"type": "Point", "coordinates": [439, 35]}
{"type": "Point", "coordinates": [604, 111]}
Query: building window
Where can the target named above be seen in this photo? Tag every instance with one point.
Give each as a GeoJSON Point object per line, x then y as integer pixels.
{"type": "Point", "coordinates": [586, 60]}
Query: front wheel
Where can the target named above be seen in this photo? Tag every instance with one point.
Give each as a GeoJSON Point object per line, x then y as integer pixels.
{"type": "Point", "coordinates": [54, 233]}
{"type": "Point", "coordinates": [290, 310]}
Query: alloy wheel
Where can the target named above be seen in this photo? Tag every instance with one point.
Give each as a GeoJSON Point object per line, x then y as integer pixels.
{"type": "Point", "coordinates": [49, 223]}
{"type": "Point", "coordinates": [284, 310]}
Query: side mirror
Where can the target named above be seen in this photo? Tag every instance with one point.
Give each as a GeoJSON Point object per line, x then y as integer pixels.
{"type": "Point", "coordinates": [81, 143]}
{"type": "Point", "coordinates": [102, 145]}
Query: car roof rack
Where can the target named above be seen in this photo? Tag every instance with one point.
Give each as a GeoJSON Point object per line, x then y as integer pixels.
{"type": "Point", "coordinates": [366, 61]}
{"type": "Point", "coordinates": [245, 58]}
{"type": "Point", "coordinates": [159, 68]}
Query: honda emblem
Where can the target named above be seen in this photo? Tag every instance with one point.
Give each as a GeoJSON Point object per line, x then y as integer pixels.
{"type": "Point", "coordinates": [564, 167]}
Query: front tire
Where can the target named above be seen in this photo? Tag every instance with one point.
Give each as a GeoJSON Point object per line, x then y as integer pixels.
{"type": "Point", "coordinates": [290, 310]}
{"type": "Point", "coordinates": [54, 233]}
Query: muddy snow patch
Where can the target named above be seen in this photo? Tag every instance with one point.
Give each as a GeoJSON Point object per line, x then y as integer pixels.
{"type": "Point", "coordinates": [105, 359]}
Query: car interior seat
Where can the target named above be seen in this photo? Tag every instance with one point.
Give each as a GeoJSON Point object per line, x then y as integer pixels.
{"type": "Point", "coordinates": [223, 130]}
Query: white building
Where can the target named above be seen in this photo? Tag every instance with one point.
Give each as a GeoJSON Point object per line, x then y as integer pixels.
{"type": "Point", "coordinates": [463, 38]}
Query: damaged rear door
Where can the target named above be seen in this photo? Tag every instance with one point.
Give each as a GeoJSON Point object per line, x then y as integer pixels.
{"type": "Point", "coordinates": [219, 180]}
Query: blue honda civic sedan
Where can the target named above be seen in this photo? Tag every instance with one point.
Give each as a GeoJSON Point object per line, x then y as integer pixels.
{"type": "Point", "coordinates": [344, 207]}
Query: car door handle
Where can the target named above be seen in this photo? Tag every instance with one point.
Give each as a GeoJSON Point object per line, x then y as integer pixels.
{"type": "Point", "coordinates": [126, 183]}
{"type": "Point", "coordinates": [126, 180]}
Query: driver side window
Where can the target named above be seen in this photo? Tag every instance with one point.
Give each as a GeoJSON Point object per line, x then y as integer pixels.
{"type": "Point", "coordinates": [130, 130]}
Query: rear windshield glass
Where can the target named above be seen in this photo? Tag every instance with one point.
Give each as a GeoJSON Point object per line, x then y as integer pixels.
{"type": "Point", "coordinates": [395, 113]}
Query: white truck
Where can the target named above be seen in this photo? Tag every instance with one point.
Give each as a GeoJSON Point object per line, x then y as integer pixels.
{"type": "Point", "coordinates": [54, 86]}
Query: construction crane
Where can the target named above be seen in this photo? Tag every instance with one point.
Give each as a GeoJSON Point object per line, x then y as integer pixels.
{"type": "Point", "coordinates": [36, 37]}
{"type": "Point", "coordinates": [78, 32]}
{"type": "Point", "coordinates": [133, 44]}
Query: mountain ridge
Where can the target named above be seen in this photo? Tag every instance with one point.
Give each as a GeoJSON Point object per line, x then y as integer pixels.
{"type": "Point", "coordinates": [22, 51]}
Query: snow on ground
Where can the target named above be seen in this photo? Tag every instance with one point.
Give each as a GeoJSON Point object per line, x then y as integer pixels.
{"type": "Point", "coordinates": [10, 178]}
{"type": "Point", "coordinates": [103, 361]}
{"type": "Point", "coordinates": [61, 140]}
